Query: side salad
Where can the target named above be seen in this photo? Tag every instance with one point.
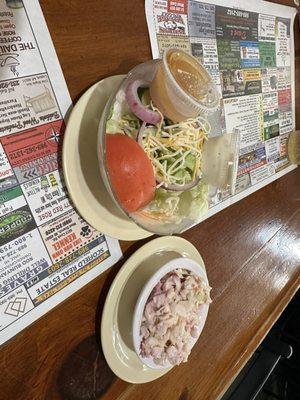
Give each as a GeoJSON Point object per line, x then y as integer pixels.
{"type": "Point", "coordinates": [173, 149]}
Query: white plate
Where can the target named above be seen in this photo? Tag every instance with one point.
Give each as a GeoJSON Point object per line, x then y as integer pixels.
{"type": "Point", "coordinates": [81, 169]}
{"type": "Point", "coordinates": [116, 325]}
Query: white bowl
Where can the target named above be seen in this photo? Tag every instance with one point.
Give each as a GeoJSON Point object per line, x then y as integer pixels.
{"type": "Point", "coordinates": [184, 263]}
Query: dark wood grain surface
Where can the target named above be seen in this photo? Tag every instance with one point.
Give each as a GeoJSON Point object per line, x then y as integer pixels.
{"type": "Point", "coordinates": [251, 251]}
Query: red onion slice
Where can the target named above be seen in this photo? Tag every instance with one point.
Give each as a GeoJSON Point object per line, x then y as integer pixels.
{"type": "Point", "coordinates": [135, 104]}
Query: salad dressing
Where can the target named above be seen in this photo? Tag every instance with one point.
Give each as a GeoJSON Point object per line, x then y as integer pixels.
{"type": "Point", "coordinates": [188, 74]}
{"type": "Point", "coordinates": [182, 87]}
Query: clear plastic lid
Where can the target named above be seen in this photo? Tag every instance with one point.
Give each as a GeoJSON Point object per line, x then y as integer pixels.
{"type": "Point", "coordinates": [220, 161]}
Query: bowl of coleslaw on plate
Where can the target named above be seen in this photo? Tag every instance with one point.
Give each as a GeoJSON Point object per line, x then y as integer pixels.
{"type": "Point", "coordinates": [170, 313]}
{"type": "Point", "coordinates": [150, 156]}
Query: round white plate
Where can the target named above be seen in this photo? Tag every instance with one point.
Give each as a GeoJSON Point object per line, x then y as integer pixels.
{"type": "Point", "coordinates": [81, 169]}
{"type": "Point", "coordinates": [116, 325]}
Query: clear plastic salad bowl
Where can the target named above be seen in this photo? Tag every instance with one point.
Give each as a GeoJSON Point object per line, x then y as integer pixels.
{"type": "Point", "coordinates": [170, 211]}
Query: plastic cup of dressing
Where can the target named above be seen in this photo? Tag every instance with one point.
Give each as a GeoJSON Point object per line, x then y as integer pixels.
{"type": "Point", "coordinates": [182, 88]}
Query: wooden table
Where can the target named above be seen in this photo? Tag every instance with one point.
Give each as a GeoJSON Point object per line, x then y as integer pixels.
{"type": "Point", "coordinates": [251, 251]}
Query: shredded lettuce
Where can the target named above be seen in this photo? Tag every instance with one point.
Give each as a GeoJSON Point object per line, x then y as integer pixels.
{"type": "Point", "coordinates": [175, 206]}
{"type": "Point", "coordinates": [131, 120]}
{"type": "Point", "coordinates": [190, 161]}
{"type": "Point", "coordinates": [120, 106]}
{"type": "Point", "coordinates": [194, 202]}
{"type": "Point", "coordinates": [112, 126]}
{"type": "Point", "coordinates": [121, 119]}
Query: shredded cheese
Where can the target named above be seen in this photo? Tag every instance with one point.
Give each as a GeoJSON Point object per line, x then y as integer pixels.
{"type": "Point", "coordinates": [178, 141]}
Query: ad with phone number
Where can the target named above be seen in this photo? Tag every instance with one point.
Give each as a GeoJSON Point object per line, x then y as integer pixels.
{"type": "Point", "coordinates": [47, 251]}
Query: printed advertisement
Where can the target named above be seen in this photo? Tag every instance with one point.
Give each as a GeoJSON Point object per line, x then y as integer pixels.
{"type": "Point", "coordinates": [269, 80]}
{"type": "Point", "coordinates": [66, 234]}
{"type": "Point", "coordinates": [243, 182]}
{"type": "Point", "coordinates": [51, 281]}
{"type": "Point", "coordinates": [248, 49]}
{"type": "Point", "coordinates": [46, 197]}
{"type": "Point", "coordinates": [236, 24]}
{"type": "Point", "coordinates": [251, 157]}
{"type": "Point", "coordinates": [19, 111]}
{"type": "Point", "coordinates": [47, 251]}
{"type": "Point", "coordinates": [271, 117]}
{"type": "Point", "coordinates": [177, 6]}
{"type": "Point", "coordinates": [267, 54]}
{"type": "Point", "coordinates": [17, 46]}
{"type": "Point", "coordinates": [229, 54]}
{"type": "Point", "coordinates": [250, 54]}
{"type": "Point", "coordinates": [168, 23]}
{"type": "Point", "coordinates": [285, 100]}
{"type": "Point", "coordinates": [273, 149]}
{"type": "Point", "coordinates": [245, 114]}
{"type": "Point", "coordinates": [34, 152]}
{"type": "Point", "coordinates": [285, 122]}
{"type": "Point", "coordinates": [166, 42]}
{"type": "Point", "coordinates": [283, 44]}
{"type": "Point", "coordinates": [284, 78]}
{"type": "Point", "coordinates": [241, 82]}
{"type": "Point", "coordinates": [5, 168]}
{"type": "Point", "coordinates": [266, 28]}
{"type": "Point", "coordinates": [11, 199]}
{"type": "Point", "coordinates": [261, 173]}
{"type": "Point", "coordinates": [22, 258]}
{"type": "Point", "coordinates": [283, 145]}
{"type": "Point", "coordinates": [201, 20]}
{"type": "Point", "coordinates": [205, 50]}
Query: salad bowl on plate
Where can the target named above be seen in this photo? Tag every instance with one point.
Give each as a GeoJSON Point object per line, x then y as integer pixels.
{"type": "Point", "coordinates": [151, 143]}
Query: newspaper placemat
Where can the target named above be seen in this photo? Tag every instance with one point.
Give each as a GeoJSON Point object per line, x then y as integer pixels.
{"type": "Point", "coordinates": [47, 251]}
{"type": "Point", "coordinates": [248, 49]}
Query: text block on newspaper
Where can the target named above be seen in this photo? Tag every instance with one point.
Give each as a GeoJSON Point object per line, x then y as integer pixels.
{"type": "Point", "coordinates": [47, 251]}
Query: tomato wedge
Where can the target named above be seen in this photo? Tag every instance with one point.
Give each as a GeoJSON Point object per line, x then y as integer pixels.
{"type": "Point", "coordinates": [131, 172]}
